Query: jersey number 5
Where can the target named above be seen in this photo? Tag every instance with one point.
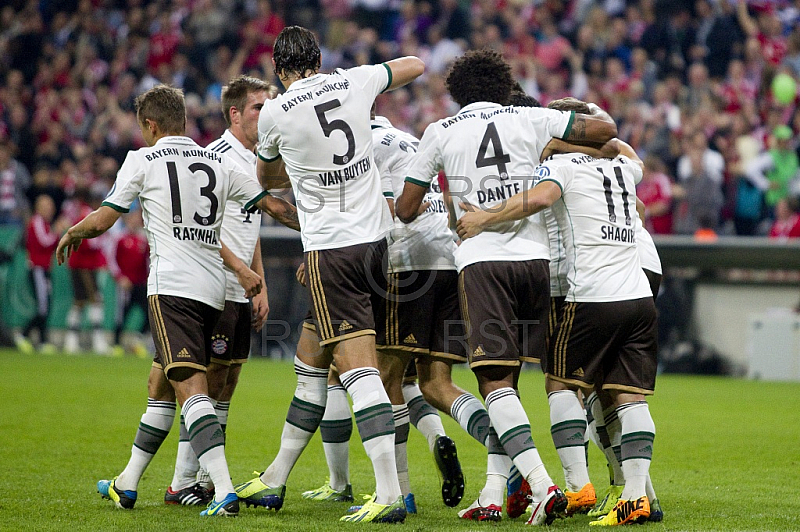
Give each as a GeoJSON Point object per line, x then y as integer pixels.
{"type": "Point", "coordinates": [206, 191]}
{"type": "Point", "coordinates": [612, 215]}
{"type": "Point", "coordinates": [333, 125]}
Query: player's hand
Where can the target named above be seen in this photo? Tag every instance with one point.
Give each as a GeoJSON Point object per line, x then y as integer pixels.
{"type": "Point", "coordinates": [423, 207]}
{"type": "Point", "coordinates": [66, 246]}
{"type": "Point", "coordinates": [300, 275]}
{"type": "Point", "coordinates": [472, 222]}
{"type": "Point", "coordinates": [260, 310]}
{"type": "Point", "coordinates": [250, 281]}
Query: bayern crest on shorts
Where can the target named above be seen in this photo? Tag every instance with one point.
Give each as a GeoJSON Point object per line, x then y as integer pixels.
{"type": "Point", "coordinates": [219, 344]}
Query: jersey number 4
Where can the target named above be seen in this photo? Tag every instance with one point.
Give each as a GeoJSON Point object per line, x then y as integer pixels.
{"type": "Point", "coordinates": [333, 125]}
{"type": "Point", "coordinates": [612, 215]}
{"type": "Point", "coordinates": [500, 159]}
{"type": "Point", "coordinates": [206, 191]}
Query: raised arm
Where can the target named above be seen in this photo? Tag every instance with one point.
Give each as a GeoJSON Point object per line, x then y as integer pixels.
{"type": "Point", "coordinates": [404, 70]}
{"type": "Point", "coordinates": [95, 224]}
{"type": "Point", "coordinates": [746, 22]}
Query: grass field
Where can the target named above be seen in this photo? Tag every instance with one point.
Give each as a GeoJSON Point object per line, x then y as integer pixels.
{"type": "Point", "coordinates": [727, 452]}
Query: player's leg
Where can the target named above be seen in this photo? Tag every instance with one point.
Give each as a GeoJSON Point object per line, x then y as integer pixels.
{"type": "Point", "coordinates": [153, 429]}
{"type": "Point", "coordinates": [305, 413]}
{"type": "Point", "coordinates": [600, 409]}
{"type": "Point", "coordinates": [335, 429]}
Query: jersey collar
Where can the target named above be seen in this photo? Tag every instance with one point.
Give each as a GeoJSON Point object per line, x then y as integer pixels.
{"type": "Point", "coordinates": [237, 145]}
{"type": "Point", "coordinates": [479, 105]}
{"type": "Point", "coordinates": [380, 122]}
{"type": "Point", "coordinates": [301, 84]}
{"type": "Point", "coordinates": [175, 139]}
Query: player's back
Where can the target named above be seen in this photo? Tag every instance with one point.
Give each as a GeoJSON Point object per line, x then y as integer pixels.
{"type": "Point", "coordinates": [489, 153]}
{"type": "Point", "coordinates": [183, 189]}
{"type": "Point", "coordinates": [596, 217]}
{"type": "Point", "coordinates": [320, 127]}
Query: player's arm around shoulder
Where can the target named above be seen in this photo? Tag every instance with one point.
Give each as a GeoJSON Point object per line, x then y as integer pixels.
{"type": "Point", "coordinates": [597, 127]}
{"type": "Point", "coordinates": [403, 71]}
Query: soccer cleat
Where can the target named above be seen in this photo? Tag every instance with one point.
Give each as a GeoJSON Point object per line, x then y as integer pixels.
{"type": "Point", "coordinates": [23, 345]}
{"type": "Point", "coordinates": [356, 507]}
{"type": "Point", "coordinates": [580, 502]}
{"type": "Point", "coordinates": [519, 496]}
{"type": "Point", "coordinates": [256, 493]}
{"type": "Point", "coordinates": [656, 513]}
{"type": "Point", "coordinates": [194, 495]}
{"type": "Point", "coordinates": [227, 507]}
{"type": "Point", "coordinates": [123, 499]}
{"type": "Point", "coordinates": [411, 504]}
{"type": "Point", "coordinates": [373, 512]}
{"type": "Point", "coordinates": [444, 451]}
{"type": "Point", "coordinates": [552, 507]}
{"type": "Point", "coordinates": [626, 513]}
{"type": "Point", "coordinates": [491, 513]}
{"type": "Point", "coordinates": [327, 493]}
{"type": "Point", "coordinates": [609, 500]}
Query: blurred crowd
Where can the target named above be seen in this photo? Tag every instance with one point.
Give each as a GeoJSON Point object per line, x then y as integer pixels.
{"type": "Point", "coordinates": [690, 83]}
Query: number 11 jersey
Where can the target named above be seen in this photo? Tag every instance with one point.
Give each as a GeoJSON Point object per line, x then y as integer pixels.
{"type": "Point", "coordinates": [183, 189]}
{"type": "Point", "coordinates": [321, 128]}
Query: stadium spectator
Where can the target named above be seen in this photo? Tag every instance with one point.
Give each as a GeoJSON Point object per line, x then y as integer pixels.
{"type": "Point", "coordinates": [772, 172]}
{"type": "Point", "coordinates": [14, 182]}
{"type": "Point", "coordinates": [698, 197]}
{"type": "Point", "coordinates": [787, 219]}
{"type": "Point", "coordinates": [655, 191]}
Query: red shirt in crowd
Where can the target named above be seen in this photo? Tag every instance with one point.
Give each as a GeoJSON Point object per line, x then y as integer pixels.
{"type": "Point", "coordinates": [657, 188]}
{"type": "Point", "coordinates": [41, 242]}
{"type": "Point", "coordinates": [132, 257]}
{"type": "Point", "coordinates": [789, 228]}
{"type": "Point", "coordinates": [89, 256]}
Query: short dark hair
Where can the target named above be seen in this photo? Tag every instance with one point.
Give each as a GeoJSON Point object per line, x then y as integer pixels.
{"type": "Point", "coordinates": [480, 76]}
{"type": "Point", "coordinates": [521, 99]}
{"type": "Point", "coordinates": [165, 106]}
{"type": "Point", "coordinates": [296, 50]}
{"type": "Point", "coordinates": [570, 104]}
{"type": "Point", "coordinates": [235, 93]}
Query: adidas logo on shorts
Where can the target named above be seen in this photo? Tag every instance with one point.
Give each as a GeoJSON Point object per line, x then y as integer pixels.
{"type": "Point", "coordinates": [344, 326]}
{"type": "Point", "coordinates": [183, 353]}
{"type": "Point", "coordinates": [410, 339]}
{"type": "Point", "coordinates": [578, 372]}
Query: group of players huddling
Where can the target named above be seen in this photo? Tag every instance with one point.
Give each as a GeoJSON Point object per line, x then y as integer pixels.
{"type": "Point", "coordinates": [546, 269]}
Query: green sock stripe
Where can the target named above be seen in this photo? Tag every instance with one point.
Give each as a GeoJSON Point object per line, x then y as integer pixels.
{"type": "Point", "coordinates": [306, 406]}
{"type": "Point", "coordinates": [511, 433]}
{"type": "Point", "coordinates": [478, 425]}
{"type": "Point", "coordinates": [153, 431]}
{"type": "Point", "coordinates": [373, 412]}
{"type": "Point", "coordinates": [214, 446]}
{"type": "Point", "coordinates": [637, 436]}
{"type": "Point", "coordinates": [199, 427]}
{"type": "Point", "coordinates": [570, 423]}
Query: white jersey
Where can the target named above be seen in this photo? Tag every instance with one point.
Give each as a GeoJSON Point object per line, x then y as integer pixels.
{"type": "Point", "coordinates": [559, 285]}
{"type": "Point", "coordinates": [427, 242]}
{"type": "Point", "coordinates": [183, 189]}
{"type": "Point", "coordinates": [596, 217]}
{"type": "Point", "coordinates": [489, 153]}
{"type": "Point", "coordinates": [320, 127]}
{"type": "Point", "coordinates": [240, 227]}
{"type": "Point", "coordinates": [648, 254]}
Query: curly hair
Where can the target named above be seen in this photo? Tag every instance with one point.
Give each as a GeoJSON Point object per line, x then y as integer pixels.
{"type": "Point", "coordinates": [521, 99]}
{"type": "Point", "coordinates": [570, 104]}
{"type": "Point", "coordinates": [480, 76]}
{"type": "Point", "coordinates": [296, 51]}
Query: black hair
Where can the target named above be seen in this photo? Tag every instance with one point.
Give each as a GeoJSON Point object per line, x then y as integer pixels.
{"type": "Point", "coordinates": [296, 51]}
{"type": "Point", "coordinates": [480, 76]}
{"type": "Point", "coordinates": [521, 99]}
{"type": "Point", "coordinates": [570, 104]}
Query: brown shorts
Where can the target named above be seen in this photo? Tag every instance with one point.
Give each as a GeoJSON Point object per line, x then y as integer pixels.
{"type": "Point", "coordinates": [181, 328]}
{"type": "Point", "coordinates": [421, 315]}
{"type": "Point", "coordinates": [230, 341]}
{"type": "Point", "coordinates": [505, 306]}
{"type": "Point", "coordinates": [84, 285]}
{"type": "Point", "coordinates": [614, 344]}
{"type": "Point", "coordinates": [348, 287]}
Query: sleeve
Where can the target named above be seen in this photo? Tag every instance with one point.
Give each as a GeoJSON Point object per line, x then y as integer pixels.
{"type": "Point", "coordinates": [128, 185]}
{"type": "Point", "coordinates": [244, 188]}
{"type": "Point", "coordinates": [427, 162]}
{"type": "Point", "coordinates": [372, 79]}
{"type": "Point", "coordinates": [551, 123]}
{"type": "Point", "coordinates": [383, 161]}
{"type": "Point", "coordinates": [561, 175]}
{"type": "Point", "coordinates": [635, 169]}
{"type": "Point", "coordinates": [267, 147]}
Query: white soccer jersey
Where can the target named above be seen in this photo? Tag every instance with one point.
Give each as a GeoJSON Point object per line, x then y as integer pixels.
{"type": "Point", "coordinates": [183, 189]}
{"type": "Point", "coordinates": [489, 153]}
{"type": "Point", "coordinates": [427, 242]}
{"type": "Point", "coordinates": [648, 254]}
{"type": "Point", "coordinates": [320, 127]}
{"type": "Point", "coordinates": [240, 227]}
{"type": "Point", "coordinates": [596, 217]}
{"type": "Point", "coordinates": [559, 285]}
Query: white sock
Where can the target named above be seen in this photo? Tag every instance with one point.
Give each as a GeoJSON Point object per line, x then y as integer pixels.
{"type": "Point", "coordinates": [401, 422]}
{"type": "Point", "coordinates": [302, 421]}
{"type": "Point", "coordinates": [374, 420]}
{"type": "Point", "coordinates": [207, 441]}
{"type": "Point", "coordinates": [336, 428]}
{"type": "Point", "coordinates": [153, 430]}
{"type": "Point", "coordinates": [423, 416]}
{"type": "Point", "coordinates": [512, 425]}
{"type": "Point", "coordinates": [568, 428]}
{"type": "Point", "coordinates": [638, 433]}
{"type": "Point", "coordinates": [472, 416]}
{"type": "Point", "coordinates": [221, 409]}
{"type": "Point", "coordinates": [498, 465]}
{"type": "Point", "coordinates": [186, 463]}
{"type": "Point", "coordinates": [612, 451]}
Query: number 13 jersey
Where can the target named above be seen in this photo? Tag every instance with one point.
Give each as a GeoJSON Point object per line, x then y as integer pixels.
{"type": "Point", "coordinates": [489, 153]}
{"type": "Point", "coordinates": [597, 218]}
{"type": "Point", "coordinates": [321, 128]}
{"type": "Point", "coordinates": [183, 189]}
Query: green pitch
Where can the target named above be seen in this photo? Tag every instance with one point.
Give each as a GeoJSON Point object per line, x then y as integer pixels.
{"type": "Point", "coordinates": [727, 452]}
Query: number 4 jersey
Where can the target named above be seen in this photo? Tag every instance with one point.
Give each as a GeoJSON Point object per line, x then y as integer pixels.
{"type": "Point", "coordinates": [183, 189]}
{"type": "Point", "coordinates": [489, 153]}
{"type": "Point", "coordinates": [597, 218]}
{"type": "Point", "coordinates": [321, 128]}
